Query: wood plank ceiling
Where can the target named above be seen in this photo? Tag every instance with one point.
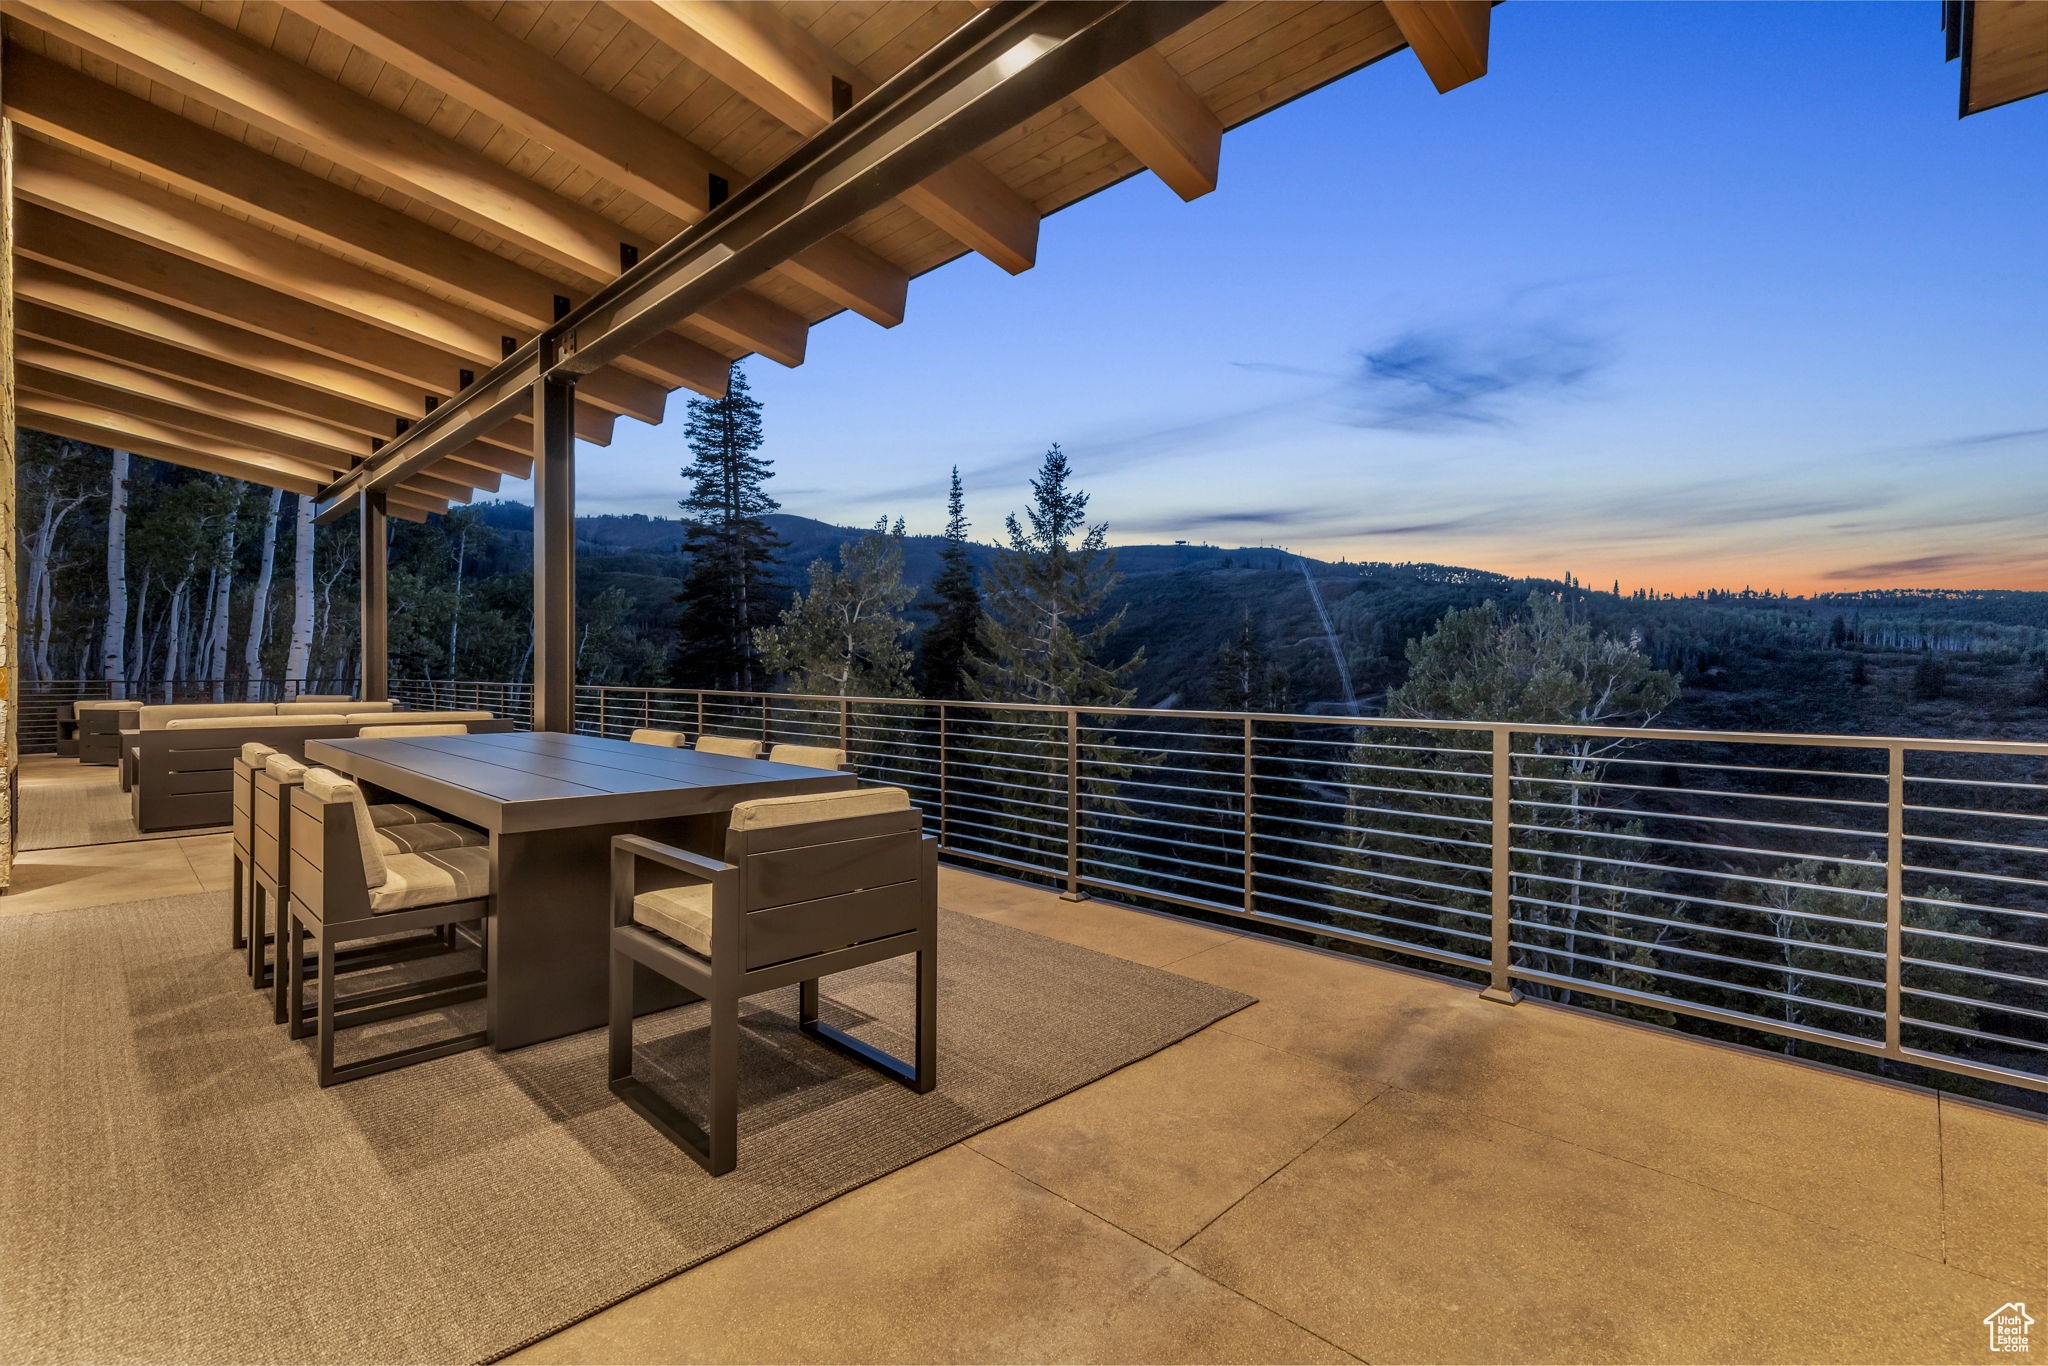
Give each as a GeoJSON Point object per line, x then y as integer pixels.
{"type": "Point", "coordinates": [257, 238]}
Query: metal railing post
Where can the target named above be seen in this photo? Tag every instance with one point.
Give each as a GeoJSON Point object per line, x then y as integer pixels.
{"type": "Point", "coordinates": [603, 729]}
{"type": "Point", "coordinates": [845, 727]}
{"type": "Point", "coordinates": [1894, 898]}
{"type": "Point", "coordinates": [1073, 891]}
{"type": "Point", "coordinates": [1248, 906]}
{"type": "Point", "coordinates": [945, 762]}
{"type": "Point", "coordinates": [700, 713]}
{"type": "Point", "coordinates": [1502, 986]}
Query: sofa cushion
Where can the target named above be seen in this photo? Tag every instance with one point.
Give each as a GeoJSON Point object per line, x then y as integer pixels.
{"type": "Point", "coordinates": [423, 837]}
{"type": "Point", "coordinates": [253, 754]}
{"type": "Point", "coordinates": [157, 717]}
{"type": "Point", "coordinates": [249, 722]}
{"type": "Point", "coordinates": [366, 708]}
{"type": "Point", "coordinates": [77, 707]}
{"type": "Point", "coordinates": [431, 879]}
{"type": "Point", "coordinates": [681, 913]}
{"type": "Point", "coordinates": [766, 812]}
{"type": "Point", "coordinates": [400, 813]}
{"type": "Point", "coordinates": [321, 697]}
{"type": "Point", "coordinates": [325, 785]}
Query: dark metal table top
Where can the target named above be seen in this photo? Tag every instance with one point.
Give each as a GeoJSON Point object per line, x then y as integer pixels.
{"type": "Point", "coordinates": [538, 780]}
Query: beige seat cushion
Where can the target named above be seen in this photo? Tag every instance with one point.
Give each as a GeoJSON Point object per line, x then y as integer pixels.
{"type": "Point", "coordinates": [77, 707]}
{"type": "Point", "coordinates": [285, 769]}
{"type": "Point", "coordinates": [681, 913]}
{"type": "Point", "coordinates": [727, 745]}
{"type": "Point", "coordinates": [423, 837]}
{"type": "Point", "coordinates": [807, 756]}
{"type": "Point", "coordinates": [431, 879]}
{"type": "Point", "coordinates": [386, 732]}
{"type": "Point", "coordinates": [384, 814]}
{"type": "Point", "coordinates": [252, 722]}
{"type": "Point", "coordinates": [160, 716]}
{"type": "Point", "coordinates": [667, 739]}
{"type": "Point", "coordinates": [325, 785]}
{"type": "Point", "coordinates": [321, 697]}
{"type": "Point", "coordinates": [818, 806]}
{"type": "Point", "coordinates": [253, 754]}
{"type": "Point", "coordinates": [365, 708]}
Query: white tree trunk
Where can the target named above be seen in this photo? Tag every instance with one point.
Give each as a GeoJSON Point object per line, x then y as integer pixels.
{"type": "Point", "coordinates": [259, 605]}
{"type": "Point", "coordinates": [114, 641]}
{"type": "Point", "coordinates": [298, 658]}
{"type": "Point", "coordinates": [174, 631]}
{"type": "Point", "coordinates": [218, 611]}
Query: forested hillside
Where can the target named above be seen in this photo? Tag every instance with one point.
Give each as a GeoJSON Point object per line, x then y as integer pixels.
{"type": "Point", "coordinates": [193, 547]}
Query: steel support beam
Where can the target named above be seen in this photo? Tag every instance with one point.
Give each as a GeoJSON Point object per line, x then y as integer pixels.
{"type": "Point", "coordinates": [376, 603]}
{"type": "Point", "coordinates": [554, 554]}
{"type": "Point", "coordinates": [998, 69]}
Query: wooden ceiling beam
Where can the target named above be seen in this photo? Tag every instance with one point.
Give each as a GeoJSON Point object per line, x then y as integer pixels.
{"type": "Point", "coordinates": [1449, 37]}
{"type": "Point", "coordinates": [59, 384]}
{"type": "Point", "coordinates": [175, 362]}
{"type": "Point", "coordinates": [91, 316]}
{"type": "Point", "coordinates": [217, 67]}
{"type": "Point", "coordinates": [463, 55]}
{"type": "Point", "coordinates": [145, 384]}
{"type": "Point", "coordinates": [1146, 106]}
{"type": "Point", "coordinates": [132, 431]}
{"type": "Point", "coordinates": [70, 108]}
{"type": "Point", "coordinates": [281, 288]}
{"type": "Point", "coordinates": [102, 303]}
{"type": "Point", "coordinates": [764, 57]}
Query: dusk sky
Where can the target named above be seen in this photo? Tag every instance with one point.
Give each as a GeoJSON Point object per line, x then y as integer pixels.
{"type": "Point", "coordinates": [1680, 294]}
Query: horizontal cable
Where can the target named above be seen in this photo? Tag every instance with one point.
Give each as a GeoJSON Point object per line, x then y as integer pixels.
{"type": "Point", "coordinates": [1700, 927]}
{"type": "Point", "coordinates": [1733, 960]}
{"type": "Point", "coordinates": [1705, 981]}
{"type": "Point", "coordinates": [1594, 833]}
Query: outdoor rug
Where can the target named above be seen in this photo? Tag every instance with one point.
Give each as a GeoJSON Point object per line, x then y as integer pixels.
{"type": "Point", "coordinates": [82, 810]}
{"type": "Point", "coordinates": [176, 1187]}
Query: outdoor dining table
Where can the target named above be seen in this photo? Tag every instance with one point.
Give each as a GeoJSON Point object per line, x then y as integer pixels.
{"type": "Point", "coordinates": [551, 804]}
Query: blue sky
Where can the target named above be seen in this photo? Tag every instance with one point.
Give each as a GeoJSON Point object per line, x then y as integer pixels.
{"type": "Point", "coordinates": [1680, 294]}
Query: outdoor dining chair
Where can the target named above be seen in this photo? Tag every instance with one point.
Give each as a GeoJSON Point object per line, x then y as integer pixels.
{"type": "Point", "coordinates": [807, 756]}
{"type": "Point", "coordinates": [729, 746]}
{"type": "Point", "coordinates": [241, 895]}
{"type": "Point", "coordinates": [347, 887]}
{"type": "Point", "coordinates": [810, 885]}
{"type": "Point", "coordinates": [667, 739]}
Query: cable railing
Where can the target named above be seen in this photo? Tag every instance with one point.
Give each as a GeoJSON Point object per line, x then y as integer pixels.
{"type": "Point", "coordinates": [1880, 897]}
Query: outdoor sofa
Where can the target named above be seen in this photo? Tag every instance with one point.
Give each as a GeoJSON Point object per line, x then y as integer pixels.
{"type": "Point", "coordinates": [181, 759]}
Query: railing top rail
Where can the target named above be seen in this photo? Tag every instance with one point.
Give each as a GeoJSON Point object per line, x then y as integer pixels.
{"type": "Point", "coordinates": [1933, 744]}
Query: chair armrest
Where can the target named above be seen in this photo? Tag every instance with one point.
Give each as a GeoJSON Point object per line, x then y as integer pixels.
{"type": "Point", "coordinates": [682, 860]}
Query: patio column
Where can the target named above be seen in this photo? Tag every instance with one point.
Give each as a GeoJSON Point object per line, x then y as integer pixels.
{"type": "Point", "coordinates": [375, 674]}
{"type": "Point", "coordinates": [554, 555]}
{"type": "Point", "coordinates": [10, 673]}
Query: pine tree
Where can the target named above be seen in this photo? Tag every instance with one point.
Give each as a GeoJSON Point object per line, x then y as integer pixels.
{"type": "Point", "coordinates": [955, 605]}
{"type": "Point", "coordinates": [844, 636]}
{"type": "Point", "coordinates": [1930, 677]}
{"type": "Point", "coordinates": [1043, 630]}
{"type": "Point", "coordinates": [1243, 679]}
{"type": "Point", "coordinates": [729, 589]}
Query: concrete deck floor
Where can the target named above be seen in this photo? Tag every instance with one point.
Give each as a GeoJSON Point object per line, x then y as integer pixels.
{"type": "Point", "coordinates": [1366, 1165]}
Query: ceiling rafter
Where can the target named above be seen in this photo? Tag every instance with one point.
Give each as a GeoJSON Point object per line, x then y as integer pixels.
{"type": "Point", "coordinates": [218, 68]}
{"type": "Point", "coordinates": [1449, 37]}
{"type": "Point", "coordinates": [70, 108]}
{"type": "Point", "coordinates": [757, 52]}
{"type": "Point", "coordinates": [460, 54]}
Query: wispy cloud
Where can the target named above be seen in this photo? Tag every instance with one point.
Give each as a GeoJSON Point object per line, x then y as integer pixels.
{"type": "Point", "coordinates": [1476, 371]}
